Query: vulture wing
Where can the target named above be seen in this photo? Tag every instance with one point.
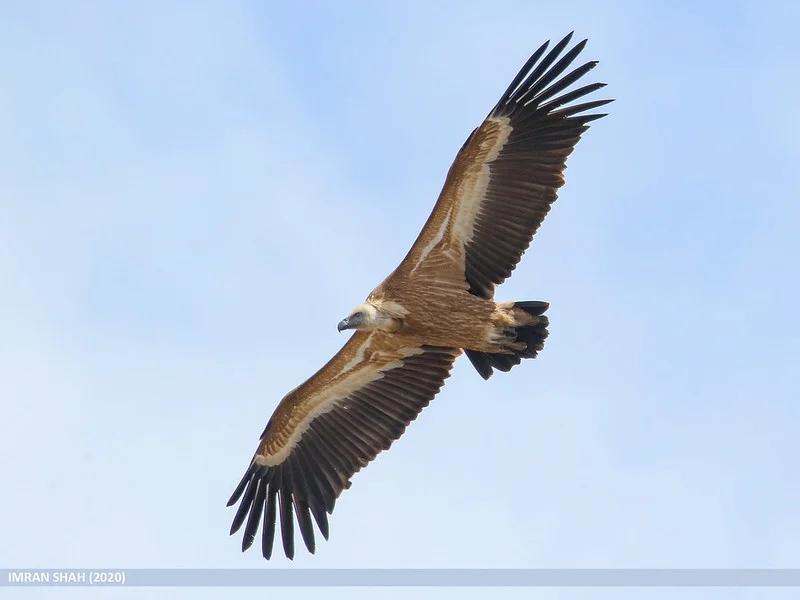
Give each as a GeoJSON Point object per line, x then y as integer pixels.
{"type": "Point", "coordinates": [506, 175]}
{"type": "Point", "coordinates": [329, 428]}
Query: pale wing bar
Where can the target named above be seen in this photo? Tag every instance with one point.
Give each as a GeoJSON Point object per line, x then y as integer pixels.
{"type": "Point", "coordinates": [527, 172]}
{"type": "Point", "coordinates": [336, 445]}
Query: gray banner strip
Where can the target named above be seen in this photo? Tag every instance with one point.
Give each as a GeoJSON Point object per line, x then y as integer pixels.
{"type": "Point", "coordinates": [402, 577]}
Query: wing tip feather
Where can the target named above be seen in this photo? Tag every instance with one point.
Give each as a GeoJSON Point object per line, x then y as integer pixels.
{"type": "Point", "coordinates": [539, 71]}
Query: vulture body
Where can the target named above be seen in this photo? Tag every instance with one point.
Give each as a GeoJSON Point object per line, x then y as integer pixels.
{"type": "Point", "coordinates": [436, 304]}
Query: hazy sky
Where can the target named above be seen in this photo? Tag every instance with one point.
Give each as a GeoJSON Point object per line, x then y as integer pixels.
{"type": "Point", "coordinates": [193, 194]}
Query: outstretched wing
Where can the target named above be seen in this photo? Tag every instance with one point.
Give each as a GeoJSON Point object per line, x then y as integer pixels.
{"type": "Point", "coordinates": [506, 175]}
{"type": "Point", "coordinates": [329, 428]}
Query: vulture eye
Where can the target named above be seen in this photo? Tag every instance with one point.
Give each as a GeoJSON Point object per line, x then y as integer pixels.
{"type": "Point", "coordinates": [358, 315]}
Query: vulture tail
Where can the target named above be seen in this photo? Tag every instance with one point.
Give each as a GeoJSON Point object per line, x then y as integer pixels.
{"type": "Point", "coordinates": [533, 335]}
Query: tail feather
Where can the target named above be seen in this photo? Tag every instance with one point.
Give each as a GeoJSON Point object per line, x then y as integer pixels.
{"type": "Point", "coordinates": [533, 336]}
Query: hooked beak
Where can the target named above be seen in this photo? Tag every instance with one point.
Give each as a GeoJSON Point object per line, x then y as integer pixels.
{"type": "Point", "coordinates": [343, 324]}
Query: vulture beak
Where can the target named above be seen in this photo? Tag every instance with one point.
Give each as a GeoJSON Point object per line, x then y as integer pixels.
{"type": "Point", "coordinates": [343, 324]}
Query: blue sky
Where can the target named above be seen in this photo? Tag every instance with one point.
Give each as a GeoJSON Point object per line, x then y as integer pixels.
{"type": "Point", "coordinates": [194, 194]}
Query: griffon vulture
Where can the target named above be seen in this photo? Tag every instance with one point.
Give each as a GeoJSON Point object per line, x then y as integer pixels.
{"type": "Point", "coordinates": [438, 302]}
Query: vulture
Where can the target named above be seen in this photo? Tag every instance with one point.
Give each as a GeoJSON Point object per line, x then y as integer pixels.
{"type": "Point", "coordinates": [438, 303]}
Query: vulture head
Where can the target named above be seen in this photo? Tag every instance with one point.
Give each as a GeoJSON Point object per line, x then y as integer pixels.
{"type": "Point", "coordinates": [369, 317]}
